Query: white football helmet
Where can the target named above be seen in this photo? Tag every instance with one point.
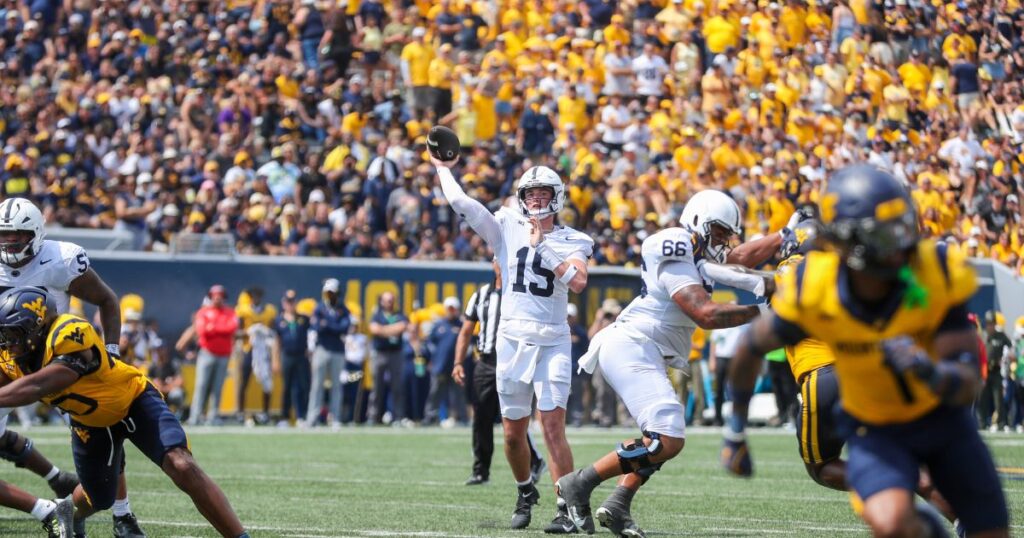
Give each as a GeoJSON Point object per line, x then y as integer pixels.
{"type": "Point", "coordinates": [20, 215]}
{"type": "Point", "coordinates": [711, 207]}
{"type": "Point", "coordinates": [541, 176]}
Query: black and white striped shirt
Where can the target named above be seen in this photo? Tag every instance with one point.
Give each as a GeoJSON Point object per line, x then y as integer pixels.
{"type": "Point", "coordinates": [484, 307]}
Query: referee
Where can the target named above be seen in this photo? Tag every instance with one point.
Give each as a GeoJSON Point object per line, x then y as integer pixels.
{"type": "Point", "coordinates": [484, 307]}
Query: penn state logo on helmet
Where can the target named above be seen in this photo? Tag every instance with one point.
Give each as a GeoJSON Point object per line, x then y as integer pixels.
{"type": "Point", "coordinates": [869, 215]}
{"type": "Point", "coordinates": [545, 178]}
{"type": "Point", "coordinates": [704, 211]}
{"type": "Point", "coordinates": [21, 231]}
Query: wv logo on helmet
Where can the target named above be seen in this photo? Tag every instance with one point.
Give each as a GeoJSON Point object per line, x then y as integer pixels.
{"type": "Point", "coordinates": [38, 307]}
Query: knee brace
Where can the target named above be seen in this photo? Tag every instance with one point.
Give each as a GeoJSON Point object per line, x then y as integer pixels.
{"type": "Point", "coordinates": [8, 441]}
{"type": "Point", "coordinates": [634, 457]}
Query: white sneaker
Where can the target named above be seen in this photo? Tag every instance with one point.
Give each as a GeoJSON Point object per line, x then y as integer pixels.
{"type": "Point", "coordinates": [993, 428]}
{"type": "Point", "coordinates": [284, 424]}
{"type": "Point", "coordinates": [1007, 429]}
{"type": "Point", "coordinates": [335, 426]}
{"type": "Point", "coordinates": [250, 423]}
{"type": "Point", "coordinates": [1020, 428]}
{"type": "Point", "coordinates": [448, 423]}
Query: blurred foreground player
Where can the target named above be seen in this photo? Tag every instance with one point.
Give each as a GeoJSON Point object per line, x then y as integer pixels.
{"type": "Point", "coordinates": [892, 309]}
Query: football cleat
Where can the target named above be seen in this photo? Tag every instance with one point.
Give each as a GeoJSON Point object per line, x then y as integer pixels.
{"type": "Point", "coordinates": [620, 523]}
{"type": "Point", "coordinates": [577, 501]}
{"type": "Point", "coordinates": [63, 484]}
{"type": "Point", "coordinates": [537, 468]}
{"type": "Point", "coordinates": [528, 496]}
{"type": "Point", "coordinates": [127, 526]}
{"type": "Point", "coordinates": [562, 524]}
{"type": "Point", "coordinates": [60, 522]}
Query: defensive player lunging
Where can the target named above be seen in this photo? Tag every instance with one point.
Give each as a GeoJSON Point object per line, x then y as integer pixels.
{"type": "Point", "coordinates": [655, 332]}
{"type": "Point", "coordinates": [63, 269]}
{"type": "Point", "coordinates": [59, 359]}
{"type": "Point", "coordinates": [892, 310]}
{"type": "Point", "coordinates": [542, 262]}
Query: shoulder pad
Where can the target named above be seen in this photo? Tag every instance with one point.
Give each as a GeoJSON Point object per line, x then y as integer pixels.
{"type": "Point", "coordinates": [69, 335]}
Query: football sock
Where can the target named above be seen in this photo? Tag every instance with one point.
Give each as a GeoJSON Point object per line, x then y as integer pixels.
{"type": "Point", "coordinates": [524, 483]}
{"type": "Point", "coordinates": [43, 508]}
{"type": "Point", "coordinates": [589, 477]}
{"type": "Point", "coordinates": [53, 473]}
{"type": "Point", "coordinates": [621, 498]}
{"type": "Point", "coordinates": [121, 507]}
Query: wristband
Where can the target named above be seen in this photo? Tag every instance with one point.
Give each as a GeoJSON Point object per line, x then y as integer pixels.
{"type": "Point", "coordinates": [114, 350]}
{"type": "Point", "coordinates": [549, 256]}
{"type": "Point", "coordinates": [568, 274]}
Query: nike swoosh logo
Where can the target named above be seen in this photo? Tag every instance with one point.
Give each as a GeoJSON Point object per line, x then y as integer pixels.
{"type": "Point", "coordinates": [42, 262]}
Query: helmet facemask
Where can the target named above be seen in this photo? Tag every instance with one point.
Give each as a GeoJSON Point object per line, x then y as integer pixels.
{"type": "Point", "coordinates": [21, 346]}
{"type": "Point", "coordinates": [879, 247]}
{"type": "Point", "coordinates": [718, 238]}
{"type": "Point", "coordinates": [525, 198]}
{"type": "Point", "coordinates": [17, 246]}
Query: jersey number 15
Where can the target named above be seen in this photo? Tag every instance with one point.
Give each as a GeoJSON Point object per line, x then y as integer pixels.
{"type": "Point", "coordinates": [519, 285]}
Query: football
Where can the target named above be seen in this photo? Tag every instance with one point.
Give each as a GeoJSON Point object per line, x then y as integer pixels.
{"type": "Point", "coordinates": [443, 143]}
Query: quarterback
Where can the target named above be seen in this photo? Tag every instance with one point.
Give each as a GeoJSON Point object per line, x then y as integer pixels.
{"type": "Point", "coordinates": [60, 360]}
{"type": "Point", "coordinates": [543, 262]}
{"type": "Point", "coordinates": [892, 310]}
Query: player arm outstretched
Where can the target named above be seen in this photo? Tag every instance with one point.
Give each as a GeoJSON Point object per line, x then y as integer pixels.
{"type": "Point", "coordinates": [51, 379]}
{"type": "Point", "coordinates": [954, 378]}
{"type": "Point", "coordinates": [766, 333]}
{"type": "Point", "coordinates": [760, 283]}
{"type": "Point", "coordinates": [92, 289]}
{"type": "Point", "coordinates": [754, 253]}
{"type": "Point", "coordinates": [479, 218]}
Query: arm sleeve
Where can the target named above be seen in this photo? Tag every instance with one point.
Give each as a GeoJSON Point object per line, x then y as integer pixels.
{"type": "Point", "coordinates": [789, 333]}
{"type": "Point", "coordinates": [735, 279]}
{"type": "Point", "coordinates": [78, 362]}
{"type": "Point", "coordinates": [479, 218]}
{"type": "Point", "coordinates": [677, 274]}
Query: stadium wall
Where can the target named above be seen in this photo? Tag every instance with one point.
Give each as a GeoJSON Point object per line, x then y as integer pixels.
{"type": "Point", "coordinates": [173, 286]}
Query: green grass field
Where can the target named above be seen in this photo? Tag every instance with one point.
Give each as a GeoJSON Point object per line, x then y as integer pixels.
{"type": "Point", "coordinates": [383, 482]}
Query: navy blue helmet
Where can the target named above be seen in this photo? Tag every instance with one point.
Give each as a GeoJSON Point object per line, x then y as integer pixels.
{"type": "Point", "coordinates": [869, 216]}
{"type": "Point", "coordinates": [25, 317]}
{"type": "Point", "coordinates": [805, 239]}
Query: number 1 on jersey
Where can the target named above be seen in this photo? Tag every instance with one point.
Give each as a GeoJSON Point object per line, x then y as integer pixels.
{"type": "Point", "coordinates": [519, 285]}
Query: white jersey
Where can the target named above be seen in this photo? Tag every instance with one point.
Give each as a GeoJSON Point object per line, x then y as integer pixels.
{"type": "Point", "coordinates": [534, 301]}
{"type": "Point", "coordinates": [668, 264]}
{"type": "Point", "coordinates": [53, 269]}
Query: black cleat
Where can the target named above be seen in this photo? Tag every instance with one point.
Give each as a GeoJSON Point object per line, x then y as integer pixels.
{"type": "Point", "coordinates": [127, 526]}
{"type": "Point", "coordinates": [528, 496]}
{"type": "Point", "coordinates": [620, 523]}
{"type": "Point", "coordinates": [59, 523]}
{"type": "Point", "coordinates": [537, 468]}
{"type": "Point", "coordinates": [477, 480]}
{"type": "Point", "coordinates": [577, 501]}
{"type": "Point", "coordinates": [562, 524]}
{"type": "Point", "coordinates": [63, 484]}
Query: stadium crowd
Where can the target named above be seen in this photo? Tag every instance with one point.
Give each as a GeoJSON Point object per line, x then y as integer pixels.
{"type": "Point", "coordinates": [298, 127]}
